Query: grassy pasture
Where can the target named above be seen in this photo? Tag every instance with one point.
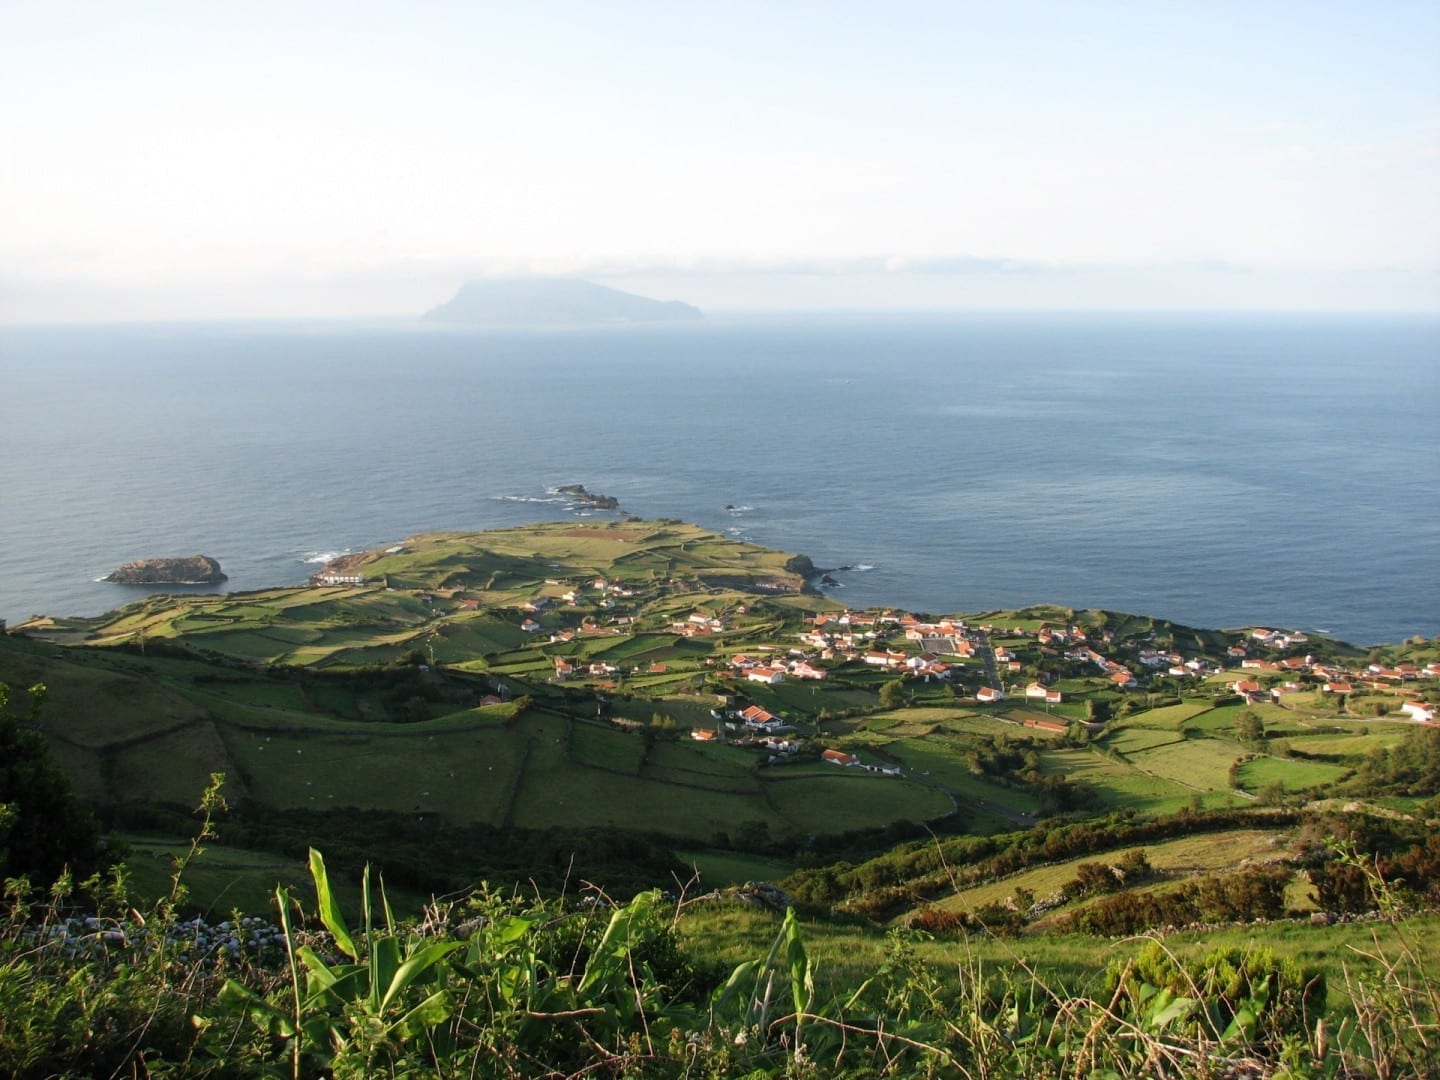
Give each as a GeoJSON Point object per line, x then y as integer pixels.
{"type": "Point", "coordinates": [270, 695]}
{"type": "Point", "coordinates": [170, 767]}
{"type": "Point", "coordinates": [1202, 764]}
{"type": "Point", "coordinates": [134, 705]}
{"type": "Point", "coordinates": [465, 776]}
{"type": "Point", "coordinates": [714, 768]}
{"type": "Point", "coordinates": [942, 761]}
{"type": "Point", "coordinates": [1294, 774]}
{"type": "Point", "coordinates": [721, 868]}
{"type": "Point", "coordinates": [798, 698]}
{"type": "Point", "coordinates": [685, 711]}
{"type": "Point", "coordinates": [622, 647]}
{"type": "Point", "coordinates": [601, 746]}
{"type": "Point", "coordinates": [1171, 717]}
{"type": "Point", "coordinates": [1353, 747]}
{"type": "Point", "coordinates": [843, 799]}
{"type": "Point", "coordinates": [1120, 786]}
{"type": "Point", "coordinates": [1133, 740]}
{"type": "Point", "coordinates": [1217, 719]}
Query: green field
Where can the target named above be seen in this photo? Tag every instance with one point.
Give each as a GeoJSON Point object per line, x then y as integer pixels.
{"type": "Point", "coordinates": [367, 699]}
{"type": "Point", "coordinates": [1291, 774]}
{"type": "Point", "coordinates": [1202, 764]}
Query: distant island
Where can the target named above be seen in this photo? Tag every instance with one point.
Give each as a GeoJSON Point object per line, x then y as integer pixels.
{"type": "Point", "coordinates": [183, 570]}
{"type": "Point", "coordinates": [553, 302]}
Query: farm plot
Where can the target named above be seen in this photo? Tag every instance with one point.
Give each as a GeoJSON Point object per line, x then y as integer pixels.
{"type": "Point", "coordinates": [1171, 717]}
{"type": "Point", "coordinates": [1291, 773]}
{"type": "Point", "coordinates": [943, 762]}
{"type": "Point", "coordinates": [622, 647]}
{"type": "Point", "coordinates": [466, 775]}
{"type": "Point", "coordinates": [173, 767]}
{"type": "Point", "coordinates": [712, 768]}
{"type": "Point", "coordinates": [1120, 786]}
{"type": "Point", "coordinates": [601, 746]}
{"type": "Point", "coordinates": [846, 799]}
{"type": "Point", "coordinates": [268, 695]}
{"type": "Point", "coordinates": [1216, 719]}
{"type": "Point", "coordinates": [1354, 747]}
{"type": "Point", "coordinates": [1133, 740]}
{"type": "Point", "coordinates": [1203, 764]}
{"type": "Point", "coordinates": [556, 793]}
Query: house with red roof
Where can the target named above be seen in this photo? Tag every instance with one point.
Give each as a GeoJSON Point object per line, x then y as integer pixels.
{"type": "Point", "coordinates": [756, 717]}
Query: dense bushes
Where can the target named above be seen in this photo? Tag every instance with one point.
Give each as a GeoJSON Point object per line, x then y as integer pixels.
{"type": "Point", "coordinates": [43, 828]}
{"type": "Point", "coordinates": [1255, 893]}
{"type": "Point", "coordinates": [1229, 994]}
{"type": "Point", "coordinates": [1410, 768]}
{"type": "Point", "coordinates": [917, 873]}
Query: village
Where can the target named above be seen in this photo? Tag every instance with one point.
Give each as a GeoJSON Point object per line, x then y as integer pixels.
{"type": "Point", "coordinates": [1053, 678]}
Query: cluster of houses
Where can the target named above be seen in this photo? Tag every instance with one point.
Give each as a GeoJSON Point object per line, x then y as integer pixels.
{"type": "Point", "coordinates": [935, 646]}
{"type": "Point", "coordinates": [752, 726]}
{"type": "Point", "coordinates": [758, 727]}
{"type": "Point", "coordinates": [334, 577]}
{"type": "Point", "coordinates": [1337, 679]}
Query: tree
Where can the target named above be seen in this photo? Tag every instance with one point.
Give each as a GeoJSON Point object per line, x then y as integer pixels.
{"type": "Point", "coordinates": [1249, 728]}
{"type": "Point", "coordinates": [892, 694]}
{"type": "Point", "coordinates": [43, 828]}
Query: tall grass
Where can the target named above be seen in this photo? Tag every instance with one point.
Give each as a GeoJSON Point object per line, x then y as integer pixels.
{"type": "Point", "coordinates": [499, 985]}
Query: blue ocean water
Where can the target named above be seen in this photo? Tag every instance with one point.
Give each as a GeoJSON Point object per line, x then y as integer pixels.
{"type": "Point", "coordinates": [1221, 470]}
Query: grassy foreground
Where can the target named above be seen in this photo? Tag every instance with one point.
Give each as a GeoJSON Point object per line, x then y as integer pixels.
{"type": "Point", "coordinates": [491, 985]}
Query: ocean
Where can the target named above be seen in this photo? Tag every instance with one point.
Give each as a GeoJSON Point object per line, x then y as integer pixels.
{"type": "Point", "coordinates": [1220, 470]}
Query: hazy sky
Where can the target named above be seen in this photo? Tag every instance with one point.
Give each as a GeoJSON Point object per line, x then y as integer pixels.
{"type": "Point", "coordinates": [171, 160]}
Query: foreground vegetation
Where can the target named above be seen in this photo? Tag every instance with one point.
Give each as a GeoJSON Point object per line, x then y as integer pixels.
{"type": "Point", "coordinates": [494, 985]}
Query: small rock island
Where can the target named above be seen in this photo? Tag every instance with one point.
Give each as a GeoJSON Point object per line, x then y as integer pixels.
{"type": "Point", "coordinates": [182, 570]}
{"type": "Point", "coordinates": [592, 499]}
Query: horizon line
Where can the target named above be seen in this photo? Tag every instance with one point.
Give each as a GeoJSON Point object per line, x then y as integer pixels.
{"type": "Point", "coordinates": [809, 312]}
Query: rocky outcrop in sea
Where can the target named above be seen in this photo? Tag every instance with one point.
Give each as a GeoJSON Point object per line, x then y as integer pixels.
{"type": "Point", "coordinates": [181, 570]}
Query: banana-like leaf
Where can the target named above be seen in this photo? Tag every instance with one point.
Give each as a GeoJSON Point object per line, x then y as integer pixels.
{"type": "Point", "coordinates": [267, 1017]}
{"type": "Point", "coordinates": [802, 978]}
{"type": "Point", "coordinates": [384, 963]}
{"type": "Point", "coordinates": [508, 930]}
{"type": "Point", "coordinates": [329, 909]}
{"type": "Point", "coordinates": [429, 1014]}
{"type": "Point", "coordinates": [415, 966]}
{"type": "Point", "coordinates": [612, 946]}
{"type": "Point", "coordinates": [1166, 1011]}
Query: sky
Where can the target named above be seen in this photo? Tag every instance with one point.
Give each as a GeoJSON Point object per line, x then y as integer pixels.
{"type": "Point", "coordinates": [196, 160]}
